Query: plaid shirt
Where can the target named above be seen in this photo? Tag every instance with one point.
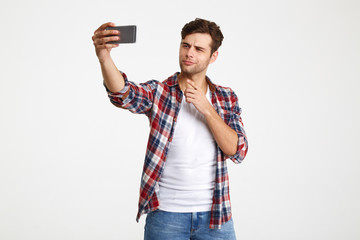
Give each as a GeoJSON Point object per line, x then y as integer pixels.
{"type": "Point", "coordinates": [160, 102]}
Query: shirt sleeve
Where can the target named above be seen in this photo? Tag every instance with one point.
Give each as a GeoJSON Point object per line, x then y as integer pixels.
{"type": "Point", "coordinates": [237, 124]}
{"type": "Point", "coordinates": [137, 98]}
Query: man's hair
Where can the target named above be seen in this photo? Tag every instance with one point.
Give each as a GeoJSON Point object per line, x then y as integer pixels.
{"type": "Point", "coordinates": [204, 26]}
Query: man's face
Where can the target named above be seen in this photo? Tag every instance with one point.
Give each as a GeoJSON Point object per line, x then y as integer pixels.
{"type": "Point", "coordinates": [195, 53]}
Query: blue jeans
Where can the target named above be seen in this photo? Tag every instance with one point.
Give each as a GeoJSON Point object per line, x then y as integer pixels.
{"type": "Point", "coordinates": [161, 225]}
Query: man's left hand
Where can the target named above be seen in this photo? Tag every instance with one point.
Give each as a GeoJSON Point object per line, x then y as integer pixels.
{"type": "Point", "coordinates": [197, 97]}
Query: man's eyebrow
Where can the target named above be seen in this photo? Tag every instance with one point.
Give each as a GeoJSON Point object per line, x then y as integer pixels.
{"type": "Point", "coordinates": [198, 47]}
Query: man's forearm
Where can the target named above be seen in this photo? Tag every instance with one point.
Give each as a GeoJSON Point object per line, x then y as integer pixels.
{"type": "Point", "coordinates": [113, 79]}
{"type": "Point", "coordinates": [225, 137]}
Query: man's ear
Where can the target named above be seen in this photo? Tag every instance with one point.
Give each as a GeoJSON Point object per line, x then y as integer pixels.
{"type": "Point", "coordinates": [214, 56]}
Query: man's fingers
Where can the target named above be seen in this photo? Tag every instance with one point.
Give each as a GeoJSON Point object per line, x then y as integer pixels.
{"type": "Point", "coordinates": [104, 26]}
{"type": "Point", "coordinates": [105, 33]}
{"type": "Point", "coordinates": [101, 32]}
{"type": "Point", "coordinates": [192, 84]}
{"type": "Point", "coordinates": [111, 45]}
{"type": "Point", "coordinates": [191, 91]}
{"type": "Point", "coordinates": [105, 40]}
{"type": "Point", "coordinates": [102, 36]}
{"type": "Point", "coordinates": [107, 46]}
{"type": "Point", "coordinates": [189, 94]}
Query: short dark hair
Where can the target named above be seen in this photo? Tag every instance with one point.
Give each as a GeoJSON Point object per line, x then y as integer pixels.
{"type": "Point", "coordinates": [204, 26]}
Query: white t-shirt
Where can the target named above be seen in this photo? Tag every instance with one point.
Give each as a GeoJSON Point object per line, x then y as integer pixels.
{"type": "Point", "coordinates": [187, 183]}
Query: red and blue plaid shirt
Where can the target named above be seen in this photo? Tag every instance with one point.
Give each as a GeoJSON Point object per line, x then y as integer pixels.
{"type": "Point", "coordinates": [160, 102]}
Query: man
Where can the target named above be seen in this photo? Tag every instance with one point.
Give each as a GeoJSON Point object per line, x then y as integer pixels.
{"type": "Point", "coordinates": [195, 125]}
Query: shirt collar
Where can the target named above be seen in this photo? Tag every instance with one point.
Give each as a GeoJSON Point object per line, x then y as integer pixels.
{"type": "Point", "coordinates": [173, 81]}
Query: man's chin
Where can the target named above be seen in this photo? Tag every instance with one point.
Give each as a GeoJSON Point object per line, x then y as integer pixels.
{"type": "Point", "coordinates": [187, 70]}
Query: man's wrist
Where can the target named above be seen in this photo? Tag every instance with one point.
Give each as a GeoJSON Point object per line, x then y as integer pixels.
{"type": "Point", "coordinates": [209, 113]}
{"type": "Point", "coordinates": [105, 60]}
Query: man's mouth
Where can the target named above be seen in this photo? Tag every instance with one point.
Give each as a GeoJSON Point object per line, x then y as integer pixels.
{"type": "Point", "coordinates": [187, 62]}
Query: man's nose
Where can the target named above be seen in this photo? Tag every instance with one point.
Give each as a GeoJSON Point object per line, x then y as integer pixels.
{"type": "Point", "coordinates": [190, 52]}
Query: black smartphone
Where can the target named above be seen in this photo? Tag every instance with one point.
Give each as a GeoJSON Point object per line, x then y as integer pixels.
{"type": "Point", "coordinates": [127, 34]}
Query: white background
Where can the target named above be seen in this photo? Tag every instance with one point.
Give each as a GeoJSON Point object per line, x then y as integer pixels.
{"type": "Point", "coordinates": [70, 162]}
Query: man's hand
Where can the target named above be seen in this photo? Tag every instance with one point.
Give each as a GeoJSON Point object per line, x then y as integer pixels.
{"type": "Point", "coordinates": [197, 97]}
{"type": "Point", "coordinates": [101, 38]}
{"type": "Point", "coordinates": [113, 79]}
{"type": "Point", "coordinates": [225, 137]}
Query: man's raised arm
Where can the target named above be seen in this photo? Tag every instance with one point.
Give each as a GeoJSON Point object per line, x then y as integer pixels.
{"type": "Point", "coordinates": [113, 79]}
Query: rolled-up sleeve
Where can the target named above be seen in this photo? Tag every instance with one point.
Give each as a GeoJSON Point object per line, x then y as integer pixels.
{"type": "Point", "coordinates": [133, 97]}
{"type": "Point", "coordinates": [237, 124]}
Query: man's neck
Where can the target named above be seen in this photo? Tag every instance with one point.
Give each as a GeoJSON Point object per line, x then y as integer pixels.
{"type": "Point", "coordinates": [198, 79]}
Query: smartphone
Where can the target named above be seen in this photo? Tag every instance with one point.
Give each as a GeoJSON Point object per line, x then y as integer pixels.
{"type": "Point", "coordinates": [127, 34]}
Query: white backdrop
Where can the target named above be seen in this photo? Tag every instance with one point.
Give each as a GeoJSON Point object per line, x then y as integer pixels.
{"type": "Point", "coordinates": [70, 162]}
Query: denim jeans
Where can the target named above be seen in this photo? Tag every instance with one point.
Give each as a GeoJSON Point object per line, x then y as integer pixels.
{"type": "Point", "coordinates": [161, 225]}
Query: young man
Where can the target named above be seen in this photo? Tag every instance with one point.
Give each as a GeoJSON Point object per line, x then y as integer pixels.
{"type": "Point", "coordinates": [195, 125]}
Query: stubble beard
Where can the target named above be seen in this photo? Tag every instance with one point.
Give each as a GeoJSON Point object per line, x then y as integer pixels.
{"type": "Point", "coordinates": [192, 70]}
